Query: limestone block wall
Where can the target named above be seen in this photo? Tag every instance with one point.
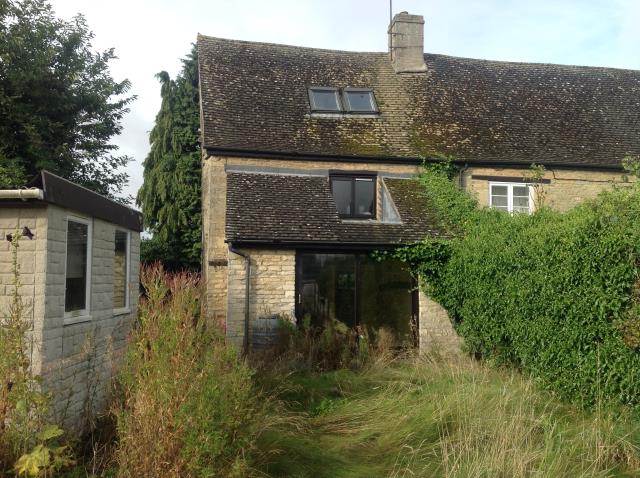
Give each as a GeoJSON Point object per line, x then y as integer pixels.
{"type": "Point", "coordinates": [436, 331]}
{"type": "Point", "coordinates": [272, 292]}
{"type": "Point", "coordinates": [566, 189]}
{"type": "Point", "coordinates": [80, 356]}
{"type": "Point", "coordinates": [32, 264]}
{"type": "Point", "coordinates": [214, 266]}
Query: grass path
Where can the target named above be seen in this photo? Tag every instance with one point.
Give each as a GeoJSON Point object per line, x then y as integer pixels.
{"type": "Point", "coordinates": [432, 419]}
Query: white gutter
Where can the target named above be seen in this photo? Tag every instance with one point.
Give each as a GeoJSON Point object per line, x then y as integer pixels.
{"type": "Point", "coordinates": [24, 194]}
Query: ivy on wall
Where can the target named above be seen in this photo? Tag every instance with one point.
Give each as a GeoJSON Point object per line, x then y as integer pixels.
{"type": "Point", "coordinates": [554, 294]}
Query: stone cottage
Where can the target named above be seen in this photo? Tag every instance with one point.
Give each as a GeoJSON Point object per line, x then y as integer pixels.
{"type": "Point", "coordinates": [79, 261]}
{"type": "Point", "coordinates": [309, 155]}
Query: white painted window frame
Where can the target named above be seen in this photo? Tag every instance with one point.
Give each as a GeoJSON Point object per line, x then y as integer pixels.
{"type": "Point", "coordinates": [82, 315]}
{"type": "Point", "coordinates": [127, 282]}
{"type": "Point", "coordinates": [510, 194]}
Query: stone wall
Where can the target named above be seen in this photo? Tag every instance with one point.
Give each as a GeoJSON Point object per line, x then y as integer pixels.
{"type": "Point", "coordinates": [566, 189]}
{"type": "Point", "coordinates": [272, 293]}
{"type": "Point", "coordinates": [216, 258]}
{"type": "Point", "coordinates": [214, 255]}
{"type": "Point", "coordinates": [436, 332]}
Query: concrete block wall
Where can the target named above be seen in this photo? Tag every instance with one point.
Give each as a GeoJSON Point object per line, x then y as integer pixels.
{"type": "Point", "coordinates": [272, 284]}
{"type": "Point", "coordinates": [32, 265]}
{"type": "Point", "coordinates": [79, 358]}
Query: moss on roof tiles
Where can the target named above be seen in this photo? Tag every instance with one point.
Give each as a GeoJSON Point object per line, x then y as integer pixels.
{"type": "Point", "coordinates": [254, 97]}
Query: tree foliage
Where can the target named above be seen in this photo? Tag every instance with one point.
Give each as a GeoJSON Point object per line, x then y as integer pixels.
{"type": "Point", "coordinates": [170, 195]}
{"type": "Point", "coordinates": [59, 105]}
{"type": "Point", "coordinates": [554, 294]}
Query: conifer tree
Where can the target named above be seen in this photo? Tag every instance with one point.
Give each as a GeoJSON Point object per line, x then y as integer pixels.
{"type": "Point", "coordinates": [170, 194]}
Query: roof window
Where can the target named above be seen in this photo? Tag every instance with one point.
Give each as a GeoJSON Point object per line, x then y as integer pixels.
{"type": "Point", "coordinates": [359, 100]}
{"type": "Point", "coordinates": [325, 100]}
{"type": "Point", "coordinates": [347, 100]}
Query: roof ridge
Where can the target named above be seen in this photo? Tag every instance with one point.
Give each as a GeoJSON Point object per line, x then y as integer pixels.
{"type": "Point", "coordinates": [529, 63]}
{"type": "Point", "coordinates": [285, 45]}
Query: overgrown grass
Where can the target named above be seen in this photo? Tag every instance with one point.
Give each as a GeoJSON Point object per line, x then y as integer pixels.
{"type": "Point", "coordinates": [192, 408]}
{"type": "Point", "coordinates": [440, 418]}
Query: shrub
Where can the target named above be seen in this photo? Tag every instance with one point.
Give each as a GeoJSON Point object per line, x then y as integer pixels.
{"type": "Point", "coordinates": [189, 408]}
{"type": "Point", "coordinates": [551, 293]}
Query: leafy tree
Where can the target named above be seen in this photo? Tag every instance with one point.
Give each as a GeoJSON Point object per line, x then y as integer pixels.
{"type": "Point", "coordinates": [170, 194]}
{"type": "Point", "coordinates": [59, 105]}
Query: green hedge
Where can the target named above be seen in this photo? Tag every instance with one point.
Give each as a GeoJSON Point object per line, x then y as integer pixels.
{"type": "Point", "coordinates": [552, 293]}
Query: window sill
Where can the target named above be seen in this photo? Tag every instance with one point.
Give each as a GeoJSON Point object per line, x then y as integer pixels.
{"type": "Point", "coordinates": [76, 319]}
{"type": "Point", "coordinates": [121, 311]}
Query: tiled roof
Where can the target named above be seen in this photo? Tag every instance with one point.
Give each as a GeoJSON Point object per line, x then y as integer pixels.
{"type": "Point", "coordinates": [277, 208]}
{"type": "Point", "coordinates": [254, 98]}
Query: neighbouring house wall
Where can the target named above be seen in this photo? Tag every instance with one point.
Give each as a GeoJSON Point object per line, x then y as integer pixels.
{"type": "Point", "coordinates": [32, 264]}
{"type": "Point", "coordinates": [272, 293]}
{"type": "Point", "coordinates": [436, 332]}
{"type": "Point", "coordinates": [79, 359]}
{"type": "Point", "coordinates": [567, 188]}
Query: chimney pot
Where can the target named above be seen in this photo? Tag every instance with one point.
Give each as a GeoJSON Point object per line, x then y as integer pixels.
{"type": "Point", "coordinates": [406, 43]}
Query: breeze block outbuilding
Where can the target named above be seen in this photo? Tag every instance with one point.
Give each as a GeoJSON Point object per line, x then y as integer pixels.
{"type": "Point", "coordinates": [79, 261]}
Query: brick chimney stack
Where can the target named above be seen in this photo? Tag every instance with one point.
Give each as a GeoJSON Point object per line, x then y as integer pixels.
{"type": "Point", "coordinates": [406, 43]}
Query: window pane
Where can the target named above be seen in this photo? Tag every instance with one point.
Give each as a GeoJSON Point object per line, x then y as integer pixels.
{"type": "Point", "coordinates": [499, 201]}
{"type": "Point", "coordinates": [521, 191]}
{"type": "Point", "coordinates": [365, 194]}
{"type": "Point", "coordinates": [326, 288]}
{"type": "Point", "coordinates": [76, 273]}
{"type": "Point", "coordinates": [342, 195]}
{"type": "Point", "coordinates": [521, 202]}
{"type": "Point", "coordinates": [324, 100]}
{"type": "Point", "coordinates": [384, 298]}
{"type": "Point", "coordinates": [500, 190]}
{"type": "Point", "coordinates": [521, 210]}
{"type": "Point", "coordinates": [120, 270]}
{"type": "Point", "coordinates": [360, 100]}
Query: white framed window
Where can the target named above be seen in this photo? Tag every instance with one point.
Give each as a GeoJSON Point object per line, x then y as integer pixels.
{"type": "Point", "coordinates": [121, 270]}
{"type": "Point", "coordinates": [77, 294]}
{"type": "Point", "coordinates": [511, 197]}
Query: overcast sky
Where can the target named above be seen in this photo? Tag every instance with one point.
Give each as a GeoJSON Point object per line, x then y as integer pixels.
{"type": "Point", "coordinates": [152, 35]}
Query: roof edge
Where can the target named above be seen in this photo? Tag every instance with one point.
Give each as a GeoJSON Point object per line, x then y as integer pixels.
{"type": "Point", "coordinates": [64, 193]}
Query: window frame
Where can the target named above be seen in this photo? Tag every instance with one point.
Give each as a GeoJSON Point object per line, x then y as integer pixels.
{"type": "Point", "coordinates": [353, 177]}
{"type": "Point", "coordinates": [336, 92]}
{"type": "Point", "coordinates": [347, 104]}
{"type": "Point", "coordinates": [127, 281]}
{"type": "Point", "coordinates": [510, 187]}
{"type": "Point", "coordinates": [82, 315]}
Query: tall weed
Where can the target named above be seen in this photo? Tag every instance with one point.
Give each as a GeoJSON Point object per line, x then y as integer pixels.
{"type": "Point", "coordinates": [189, 407]}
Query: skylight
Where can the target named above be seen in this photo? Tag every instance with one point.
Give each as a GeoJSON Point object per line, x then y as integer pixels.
{"type": "Point", "coordinates": [359, 100]}
{"type": "Point", "coordinates": [347, 100]}
{"type": "Point", "coordinates": [324, 99]}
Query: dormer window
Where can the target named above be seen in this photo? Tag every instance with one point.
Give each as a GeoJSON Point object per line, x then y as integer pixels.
{"type": "Point", "coordinates": [355, 195]}
{"type": "Point", "coordinates": [325, 100]}
{"type": "Point", "coordinates": [359, 100]}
